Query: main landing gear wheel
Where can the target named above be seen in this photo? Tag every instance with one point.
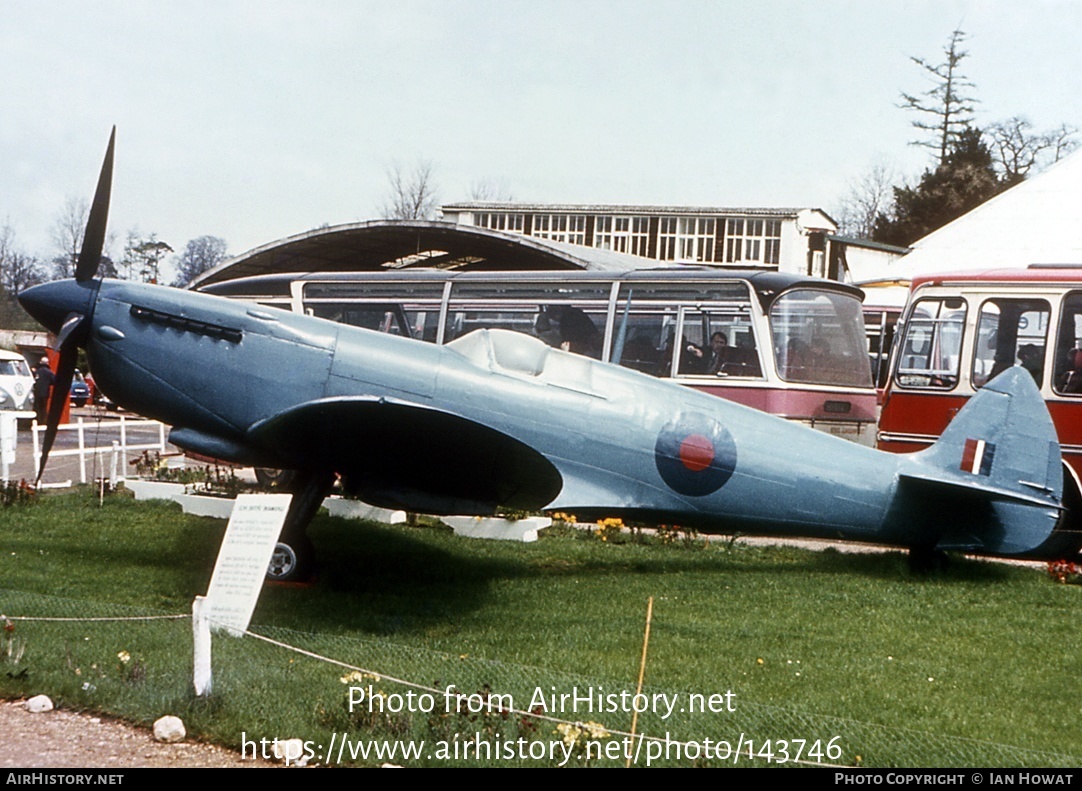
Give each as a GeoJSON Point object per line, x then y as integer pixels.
{"type": "Point", "coordinates": [294, 556]}
{"type": "Point", "coordinates": [290, 562]}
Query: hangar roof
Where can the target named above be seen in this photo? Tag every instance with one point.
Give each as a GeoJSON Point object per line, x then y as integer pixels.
{"type": "Point", "coordinates": [400, 244]}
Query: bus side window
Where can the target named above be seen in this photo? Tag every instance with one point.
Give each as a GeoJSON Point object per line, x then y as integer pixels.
{"type": "Point", "coordinates": [718, 343]}
{"type": "Point", "coordinates": [1009, 332]}
{"type": "Point", "coordinates": [642, 340]}
{"type": "Point", "coordinates": [1067, 370]}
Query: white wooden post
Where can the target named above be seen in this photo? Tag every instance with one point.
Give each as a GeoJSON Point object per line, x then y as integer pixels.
{"type": "Point", "coordinates": [82, 452]}
{"type": "Point", "coordinates": [201, 677]}
{"type": "Point", "coordinates": [114, 479]}
{"type": "Point", "coordinates": [37, 450]}
{"type": "Point", "coordinates": [9, 435]}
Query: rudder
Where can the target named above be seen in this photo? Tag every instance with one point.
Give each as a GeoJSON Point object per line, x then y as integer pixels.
{"type": "Point", "coordinates": [1002, 455]}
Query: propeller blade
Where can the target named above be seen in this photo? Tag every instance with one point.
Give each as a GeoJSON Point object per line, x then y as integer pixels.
{"type": "Point", "coordinates": [94, 236]}
{"type": "Point", "coordinates": [65, 369]}
{"type": "Point", "coordinates": [71, 323]}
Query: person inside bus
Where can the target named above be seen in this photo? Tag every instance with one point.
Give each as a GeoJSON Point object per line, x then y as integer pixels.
{"type": "Point", "coordinates": [719, 353]}
{"type": "Point", "coordinates": [578, 333]}
{"type": "Point", "coordinates": [640, 353]}
{"type": "Point", "coordinates": [819, 358]}
{"type": "Point", "coordinates": [745, 360]}
{"type": "Point", "coordinates": [1070, 380]}
{"type": "Point", "coordinates": [692, 359]}
{"type": "Point", "coordinates": [1032, 360]}
{"type": "Point", "coordinates": [797, 359]}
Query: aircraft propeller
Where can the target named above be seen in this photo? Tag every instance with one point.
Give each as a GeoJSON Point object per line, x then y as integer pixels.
{"type": "Point", "coordinates": [73, 330]}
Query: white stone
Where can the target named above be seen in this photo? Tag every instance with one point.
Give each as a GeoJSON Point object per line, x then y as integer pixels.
{"type": "Point", "coordinates": [38, 704]}
{"type": "Point", "coordinates": [169, 729]}
{"type": "Point", "coordinates": [203, 505]}
{"type": "Point", "coordinates": [356, 509]}
{"type": "Point", "coordinates": [153, 490]}
{"type": "Point", "coordinates": [497, 527]}
{"type": "Point", "coordinates": [291, 751]}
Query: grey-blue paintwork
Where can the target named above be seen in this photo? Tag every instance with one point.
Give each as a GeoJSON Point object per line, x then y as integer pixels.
{"type": "Point", "coordinates": [500, 419]}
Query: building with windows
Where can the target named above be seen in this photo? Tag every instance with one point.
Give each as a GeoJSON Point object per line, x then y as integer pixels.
{"type": "Point", "coordinates": [787, 240]}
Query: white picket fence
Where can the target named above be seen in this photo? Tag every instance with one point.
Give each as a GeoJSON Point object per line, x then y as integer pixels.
{"type": "Point", "coordinates": [117, 449]}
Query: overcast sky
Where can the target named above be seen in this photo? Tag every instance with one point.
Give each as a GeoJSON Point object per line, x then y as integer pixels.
{"type": "Point", "coordinates": [257, 120]}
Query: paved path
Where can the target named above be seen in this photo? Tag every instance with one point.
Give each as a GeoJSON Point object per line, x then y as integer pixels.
{"type": "Point", "coordinates": [100, 430]}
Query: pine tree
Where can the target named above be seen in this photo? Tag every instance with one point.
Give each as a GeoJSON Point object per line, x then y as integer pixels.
{"type": "Point", "coordinates": [966, 178]}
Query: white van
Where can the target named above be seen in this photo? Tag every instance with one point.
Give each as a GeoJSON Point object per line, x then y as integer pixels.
{"type": "Point", "coordinates": [16, 382]}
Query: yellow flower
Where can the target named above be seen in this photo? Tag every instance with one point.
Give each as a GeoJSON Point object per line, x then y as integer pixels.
{"type": "Point", "coordinates": [124, 657]}
{"type": "Point", "coordinates": [357, 677]}
{"type": "Point", "coordinates": [595, 730]}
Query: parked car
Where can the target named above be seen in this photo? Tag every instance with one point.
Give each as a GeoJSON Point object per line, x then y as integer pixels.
{"type": "Point", "coordinates": [16, 382]}
{"type": "Point", "coordinates": [80, 390]}
{"type": "Point", "coordinates": [97, 397]}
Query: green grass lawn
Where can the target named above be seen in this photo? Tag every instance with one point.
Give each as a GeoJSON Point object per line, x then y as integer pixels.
{"type": "Point", "coordinates": [976, 665]}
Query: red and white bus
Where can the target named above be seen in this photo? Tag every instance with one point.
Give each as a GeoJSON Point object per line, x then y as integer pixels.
{"type": "Point", "coordinates": [960, 330]}
{"type": "Point", "coordinates": [792, 346]}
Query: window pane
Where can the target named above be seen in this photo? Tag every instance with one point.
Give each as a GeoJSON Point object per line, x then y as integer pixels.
{"type": "Point", "coordinates": [1067, 376]}
{"type": "Point", "coordinates": [718, 343]}
{"type": "Point", "coordinates": [932, 343]}
{"type": "Point", "coordinates": [1010, 332]}
{"type": "Point", "coordinates": [819, 339]}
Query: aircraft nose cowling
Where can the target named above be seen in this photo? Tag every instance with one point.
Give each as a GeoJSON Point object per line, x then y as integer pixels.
{"type": "Point", "coordinates": [52, 303]}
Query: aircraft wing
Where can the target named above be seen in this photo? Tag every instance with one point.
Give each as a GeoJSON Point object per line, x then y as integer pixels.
{"type": "Point", "coordinates": [399, 454]}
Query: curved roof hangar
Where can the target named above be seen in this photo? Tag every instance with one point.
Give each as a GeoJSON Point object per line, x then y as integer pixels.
{"type": "Point", "coordinates": [400, 244]}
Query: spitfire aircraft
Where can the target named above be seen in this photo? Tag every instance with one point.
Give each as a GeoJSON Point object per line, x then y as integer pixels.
{"type": "Point", "coordinates": [499, 419]}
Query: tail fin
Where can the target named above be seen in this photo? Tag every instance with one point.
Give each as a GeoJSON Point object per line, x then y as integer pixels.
{"type": "Point", "coordinates": [998, 463]}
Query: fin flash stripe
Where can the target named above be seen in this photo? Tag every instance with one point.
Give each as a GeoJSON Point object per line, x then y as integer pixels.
{"type": "Point", "coordinates": [977, 457]}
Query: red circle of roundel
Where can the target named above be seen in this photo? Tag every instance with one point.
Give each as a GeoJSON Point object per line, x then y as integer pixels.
{"type": "Point", "coordinates": [696, 452]}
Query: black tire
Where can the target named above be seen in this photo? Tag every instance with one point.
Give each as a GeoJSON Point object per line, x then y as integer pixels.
{"type": "Point", "coordinates": [291, 561]}
{"type": "Point", "coordinates": [79, 402]}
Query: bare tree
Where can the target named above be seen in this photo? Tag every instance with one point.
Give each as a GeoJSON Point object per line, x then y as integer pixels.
{"type": "Point", "coordinates": [200, 254]}
{"type": "Point", "coordinates": [18, 271]}
{"type": "Point", "coordinates": [7, 242]}
{"type": "Point", "coordinates": [68, 236]}
{"type": "Point", "coordinates": [490, 189]}
{"type": "Point", "coordinates": [411, 194]}
{"type": "Point", "coordinates": [1018, 149]}
{"type": "Point", "coordinates": [946, 104]}
{"type": "Point", "coordinates": [869, 196]}
{"type": "Point", "coordinates": [143, 256]}
{"type": "Point", "coordinates": [1063, 141]}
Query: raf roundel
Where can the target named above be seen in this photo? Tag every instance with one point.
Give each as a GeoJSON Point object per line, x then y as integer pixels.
{"type": "Point", "coordinates": [695, 455]}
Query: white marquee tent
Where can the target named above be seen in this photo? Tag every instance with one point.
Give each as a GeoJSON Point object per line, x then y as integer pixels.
{"type": "Point", "coordinates": [1037, 221]}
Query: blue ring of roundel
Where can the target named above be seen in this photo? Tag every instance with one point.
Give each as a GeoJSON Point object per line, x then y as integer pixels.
{"type": "Point", "coordinates": [695, 480]}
